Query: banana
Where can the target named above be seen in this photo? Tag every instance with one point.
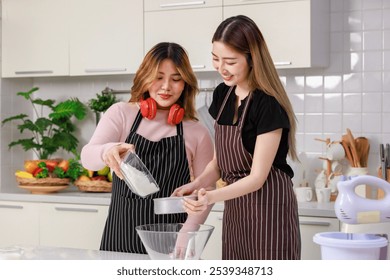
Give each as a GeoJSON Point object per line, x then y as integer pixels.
{"type": "Point", "coordinates": [23, 174]}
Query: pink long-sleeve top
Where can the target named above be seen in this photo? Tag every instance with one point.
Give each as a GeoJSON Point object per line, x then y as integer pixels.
{"type": "Point", "coordinates": [115, 125]}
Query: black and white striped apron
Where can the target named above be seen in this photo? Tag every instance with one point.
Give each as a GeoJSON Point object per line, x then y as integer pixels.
{"type": "Point", "coordinates": [167, 162]}
{"type": "Point", "coordinates": [263, 224]}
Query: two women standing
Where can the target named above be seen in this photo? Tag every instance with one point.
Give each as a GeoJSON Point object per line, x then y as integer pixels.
{"type": "Point", "coordinates": [254, 133]}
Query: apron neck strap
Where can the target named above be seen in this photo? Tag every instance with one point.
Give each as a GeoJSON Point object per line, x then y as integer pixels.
{"type": "Point", "coordinates": [224, 102]}
{"type": "Point", "coordinates": [138, 118]}
{"type": "Point", "coordinates": [136, 122]}
{"type": "Point", "coordinates": [241, 120]}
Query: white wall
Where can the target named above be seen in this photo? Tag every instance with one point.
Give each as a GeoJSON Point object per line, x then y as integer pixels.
{"type": "Point", "coordinates": [353, 92]}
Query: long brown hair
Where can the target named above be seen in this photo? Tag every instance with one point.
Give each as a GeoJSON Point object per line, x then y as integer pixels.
{"type": "Point", "coordinates": [243, 35]}
{"type": "Point", "coordinates": [148, 70]}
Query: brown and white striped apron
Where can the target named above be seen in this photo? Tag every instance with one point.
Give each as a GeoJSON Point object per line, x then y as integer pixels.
{"type": "Point", "coordinates": [167, 162]}
{"type": "Point", "coordinates": [262, 225]}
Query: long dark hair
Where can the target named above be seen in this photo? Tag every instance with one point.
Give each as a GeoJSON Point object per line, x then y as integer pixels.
{"type": "Point", "coordinates": [244, 36]}
{"type": "Point", "coordinates": [148, 70]}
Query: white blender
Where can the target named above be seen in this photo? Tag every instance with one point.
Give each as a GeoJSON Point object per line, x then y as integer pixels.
{"type": "Point", "coordinates": [365, 230]}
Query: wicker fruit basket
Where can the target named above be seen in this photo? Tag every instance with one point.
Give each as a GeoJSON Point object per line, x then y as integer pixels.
{"type": "Point", "coordinates": [93, 186]}
{"type": "Point", "coordinates": [43, 185]}
{"type": "Point", "coordinates": [43, 181]}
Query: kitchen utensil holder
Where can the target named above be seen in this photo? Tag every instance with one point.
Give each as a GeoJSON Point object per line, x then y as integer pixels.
{"type": "Point", "coordinates": [381, 194]}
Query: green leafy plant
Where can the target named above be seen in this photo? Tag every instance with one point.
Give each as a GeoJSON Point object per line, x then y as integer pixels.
{"type": "Point", "coordinates": [51, 133]}
{"type": "Point", "coordinates": [101, 103]}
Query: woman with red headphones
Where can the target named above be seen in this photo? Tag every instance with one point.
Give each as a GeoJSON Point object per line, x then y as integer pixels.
{"type": "Point", "coordinates": [158, 123]}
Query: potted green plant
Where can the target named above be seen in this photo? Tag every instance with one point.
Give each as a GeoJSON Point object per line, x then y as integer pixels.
{"type": "Point", "coordinates": [49, 133]}
{"type": "Point", "coordinates": [101, 103]}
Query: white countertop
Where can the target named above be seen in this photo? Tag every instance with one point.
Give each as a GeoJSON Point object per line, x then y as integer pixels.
{"type": "Point", "coordinates": [73, 196]}
{"type": "Point", "coordinates": [70, 195]}
{"type": "Point", "coordinates": [317, 209]}
{"type": "Point", "coordinates": [55, 253]}
{"type": "Point", "coordinates": [312, 208]}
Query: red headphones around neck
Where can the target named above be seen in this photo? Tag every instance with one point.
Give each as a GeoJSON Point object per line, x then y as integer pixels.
{"type": "Point", "coordinates": [149, 110]}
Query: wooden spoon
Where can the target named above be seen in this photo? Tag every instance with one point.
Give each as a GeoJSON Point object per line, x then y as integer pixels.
{"type": "Point", "coordinates": [346, 145]}
{"type": "Point", "coordinates": [363, 147]}
{"type": "Point", "coordinates": [354, 153]}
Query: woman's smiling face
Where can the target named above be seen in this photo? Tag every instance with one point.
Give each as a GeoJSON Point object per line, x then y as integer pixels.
{"type": "Point", "coordinates": [167, 87]}
{"type": "Point", "coordinates": [230, 64]}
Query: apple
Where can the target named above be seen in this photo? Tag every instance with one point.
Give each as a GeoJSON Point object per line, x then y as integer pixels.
{"type": "Point", "coordinates": [30, 166]}
{"type": "Point", "coordinates": [64, 165]}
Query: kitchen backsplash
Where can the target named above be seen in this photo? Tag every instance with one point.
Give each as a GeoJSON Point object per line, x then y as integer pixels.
{"type": "Point", "coordinates": [353, 92]}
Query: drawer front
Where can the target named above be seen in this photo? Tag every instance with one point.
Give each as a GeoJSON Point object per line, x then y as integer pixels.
{"type": "Point", "coordinates": [309, 226]}
{"type": "Point", "coordinates": [18, 223]}
{"type": "Point", "coordinates": [72, 226]}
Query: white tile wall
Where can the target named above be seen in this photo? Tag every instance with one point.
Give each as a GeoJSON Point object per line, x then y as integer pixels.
{"type": "Point", "coordinates": [353, 92]}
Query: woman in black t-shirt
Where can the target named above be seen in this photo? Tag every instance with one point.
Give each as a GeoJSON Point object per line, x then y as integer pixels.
{"type": "Point", "coordinates": [254, 133]}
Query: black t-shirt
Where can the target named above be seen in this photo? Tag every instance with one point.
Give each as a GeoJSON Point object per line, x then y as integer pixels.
{"type": "Point", "coordinates": [264, 115]}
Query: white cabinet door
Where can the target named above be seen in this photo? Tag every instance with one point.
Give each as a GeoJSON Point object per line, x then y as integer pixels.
{"type": "Point", "coordinates": [213, 249]}
{"type": "Point", "coordinates": [106, 37]}
{"type": "Point", "coordinates": [78, 37]}
{"type": "Point", "coordinates": [188, 23]}
{"type": "Point", "coordinates": [296, 32]}
{"type": "Point", "coordinates": [19, 223]}
{"type": "Point", "coordinates": [71, 225]}
{"type": "Point", "coordinates": [309, 227]}
{"type": "Point", "coordinates": [35, 38]}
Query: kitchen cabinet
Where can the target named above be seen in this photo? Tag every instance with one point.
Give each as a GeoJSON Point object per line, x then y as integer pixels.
{"type": "Point", "coordinates": [77, 226]}
{"type": "Point", "coordinates": [188, 23]}
{"type": "Point", "coordinates": [72, 225]}
{"type": "Point", "coordinates": [19, 223]}
{"type": "Point", "coordinates": [309, 226]}
{"type": "Point", "coordinates": [107, 39]}
{"type": "Point", "coordinates": [35, 38]}
{"type": "Point", "coordinates": [213, 249]}
{"type": "Point", "coordinates": [297, 32]}
{"type": "Point", "coordinates": [67, 38]}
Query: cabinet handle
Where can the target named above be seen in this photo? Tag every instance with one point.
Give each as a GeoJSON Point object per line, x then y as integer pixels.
{"type": "Point", "coordinates": [198, 66]}
{"type": "Point", "coordinates": [282, 63]}
{"type": "Point", "coordinates": [314, 223]}
{"type": "Point", "coordinates": [11, 206]}
{"type": "Point", "coordinates": [33, 72]}
{"type": "Point", "coordinates": [220, 218]}
{"type": "Point", "coordinates": [105, 70]}
{"type": "Point", "coordinates": [89, 210]}
{"type": "Point", "coordinates": [181, 4]}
